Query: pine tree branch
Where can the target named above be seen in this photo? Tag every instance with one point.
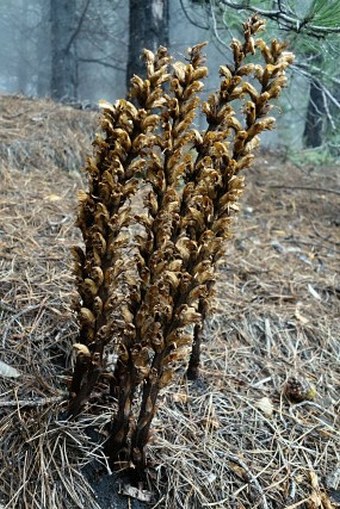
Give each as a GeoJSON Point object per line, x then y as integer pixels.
{"type": "Point", "coordinates": [281, 16]}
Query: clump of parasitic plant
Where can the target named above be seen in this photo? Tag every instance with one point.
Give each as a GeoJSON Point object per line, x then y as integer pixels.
{"type": "Point", "coordinates": [145, 278]}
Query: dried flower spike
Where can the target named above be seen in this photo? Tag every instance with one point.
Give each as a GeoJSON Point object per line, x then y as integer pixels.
{"type": "Point", "coordinates": [145, 280]}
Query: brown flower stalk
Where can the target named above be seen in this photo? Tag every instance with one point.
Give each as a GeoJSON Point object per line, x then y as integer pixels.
{"type": "Point", "coordinates": [201, 214]}
{"type": "Point", "coordinates": [103, 214]}
{"type": "Point", "coordinates": [228, 147]}
{"type": "Point", "coordinates": [143, 353]}
{"type": "Point", "coordinates": [151, 299]}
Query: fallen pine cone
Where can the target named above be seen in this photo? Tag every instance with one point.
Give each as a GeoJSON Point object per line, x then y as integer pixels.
{"type": "Point", "coordinates": [298, 389]}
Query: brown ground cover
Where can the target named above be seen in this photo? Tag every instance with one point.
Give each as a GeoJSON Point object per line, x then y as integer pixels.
{"type": "Point", "coordinates": [230, 440]}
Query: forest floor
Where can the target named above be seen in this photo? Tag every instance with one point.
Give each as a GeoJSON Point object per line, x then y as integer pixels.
{"type": "Point", "coordinates": [233, 439]}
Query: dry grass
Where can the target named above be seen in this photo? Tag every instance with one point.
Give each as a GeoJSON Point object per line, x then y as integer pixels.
{"type": "Point", "coordinates": [277, 315]}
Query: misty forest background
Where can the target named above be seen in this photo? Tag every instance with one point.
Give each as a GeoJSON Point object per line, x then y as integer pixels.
{"type": "Point", "coordinates": [81, 51]}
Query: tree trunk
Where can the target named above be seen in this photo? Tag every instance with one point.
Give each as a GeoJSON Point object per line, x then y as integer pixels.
{"type": "Point", "coordinates": [313, 132]}
{"type": "Point", "coordinates": [23, 63]}
{"type": "Point", "coordinates": [63, 29]}
{"type": "Point", "coordinates": [43, 51]}
{"type": "Point", "coordinates": [149, 28]}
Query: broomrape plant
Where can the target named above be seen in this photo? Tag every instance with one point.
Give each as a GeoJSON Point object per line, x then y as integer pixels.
{"type": "Point", "coordinates": [145, 280]}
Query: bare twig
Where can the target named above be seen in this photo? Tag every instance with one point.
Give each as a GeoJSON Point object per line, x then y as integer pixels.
{"type": "Point", "coordinates": [250, 477]}
{"type": "Point", "coordinates": [36, 402]}
{"type": "Point", "coordinates": [190, 19]}
{"type": "Point", "coordinates": [301, 188]}
{"type": "Point", "coordinates": [6, 307]}
{"type": "Point", "coordinates": [79, 26]}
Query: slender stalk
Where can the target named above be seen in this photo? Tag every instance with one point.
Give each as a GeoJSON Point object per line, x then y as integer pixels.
{"type": "Point", "coordinates": [195, 357]}
{"type": "Point", "coordinates": [222, 117]}
{"type": "Point", "coordinates": [162, 205]}
{"type": "Point", "coordinates": [104, 212]}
